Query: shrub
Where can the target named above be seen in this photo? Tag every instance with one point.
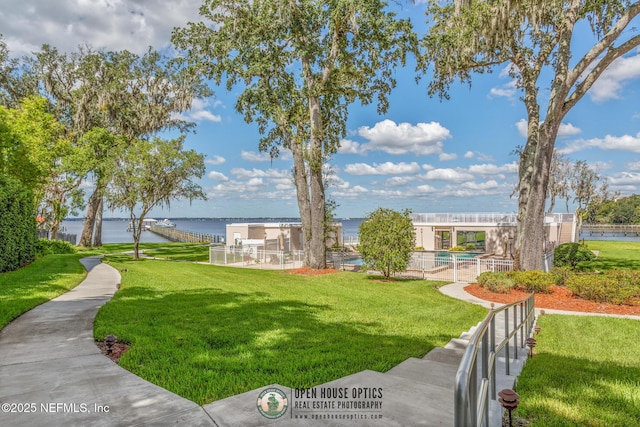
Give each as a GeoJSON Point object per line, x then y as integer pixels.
{"type": "Point", "coordinates": [614, 286]}
{"type": "Point", "coordinates": [51, 247]}
{"type": "Point", "coordinates": [561, 274]}
{"type": "Point", "coordinates": [571, 254]}
{"type": "Point", "coordinates": [470, 247]}
{"type": "Point", "coordinates": [387, 240]}
{"type": "Point", "coordinates": [457, 249]}
{"type": "Point", "coordinates": [533, 280]}
{"type": "Point", "coordinates": [499, 282]}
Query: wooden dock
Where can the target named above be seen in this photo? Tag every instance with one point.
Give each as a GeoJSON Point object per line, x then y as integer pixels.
{"type": "Point", "coordinates": [175, 235]}
{"type": "Point", "coordinates": [632, 230]}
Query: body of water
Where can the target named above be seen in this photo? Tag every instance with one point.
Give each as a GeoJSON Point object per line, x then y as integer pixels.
{"type": "Point", "coordinates": [115, 230]}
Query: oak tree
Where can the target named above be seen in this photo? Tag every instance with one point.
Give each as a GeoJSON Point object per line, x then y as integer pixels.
{"type": "Point", "coordinates": [536, 38]}
{"type": "Point", "coordinates": [300, 65]}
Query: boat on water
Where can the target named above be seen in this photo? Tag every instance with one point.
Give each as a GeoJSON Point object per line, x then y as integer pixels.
{"type": "Point", "coordinates": [165, 223]}
{"type": "Point", "coordinates": [147, 223]}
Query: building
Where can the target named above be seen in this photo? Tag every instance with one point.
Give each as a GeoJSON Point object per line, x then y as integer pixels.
{"type": "Point", "coordinates": [274, 236]}
{"type": "Point", "coordinates": [491, 233]}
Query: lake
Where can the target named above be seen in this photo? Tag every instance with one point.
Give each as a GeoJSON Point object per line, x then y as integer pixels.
{"type": "Point", "coordinates": [114, 230]}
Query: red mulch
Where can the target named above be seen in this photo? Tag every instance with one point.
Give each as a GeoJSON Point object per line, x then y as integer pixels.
{"type": "Point", "coordinates": [560, 298]}
{"type": "Point", "coordinates": [307, 271]}
{"type": "Point", "coordinates": [117, 350]}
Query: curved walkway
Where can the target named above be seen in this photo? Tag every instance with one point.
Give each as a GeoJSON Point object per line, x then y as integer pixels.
{"type": "Point", "coordinates": [53, 374]}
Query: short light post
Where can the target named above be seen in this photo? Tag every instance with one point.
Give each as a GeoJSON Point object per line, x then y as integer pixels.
{"type": "Point", "coordinates": [110, 340]}
{"type": "Point", "coordinates": [509, 400]}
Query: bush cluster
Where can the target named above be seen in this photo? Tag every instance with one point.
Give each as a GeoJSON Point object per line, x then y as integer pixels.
{"type": "Point", "coordinates": [533, 280]}
{"type": "Point", "coordinates": [571, 255]}
{"type": "Point", "coordinates": [51, 247]}
{"type": "Point", "coordinates": [499, 282]}
{"type": "Point", "coordinates": [503, 282]}
{"type": "Point", "coordinates": [613, 286]}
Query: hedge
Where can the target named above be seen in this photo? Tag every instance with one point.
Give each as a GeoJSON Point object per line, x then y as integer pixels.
{"type": "Point", "coordinates": [18, 233]}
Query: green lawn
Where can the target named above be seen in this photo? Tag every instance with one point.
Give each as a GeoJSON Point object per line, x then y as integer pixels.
{"type": "Point", "coordinates": [615, 255]}
{"type": "Point", "coordinates": [40, 281]}
{"type": "Point", "coordinates": [181, 252]}
{"type": "Point", "coordinates": [586, 372]}
{"type": "Point", "coordinates": [208, 332]}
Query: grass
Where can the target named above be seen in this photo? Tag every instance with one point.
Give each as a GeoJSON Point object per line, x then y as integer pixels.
{"type": "Point", "coordinates": [196, 252]}
{"type": "Point", "coordinates": [40, 281]}
{"type": "Point", "coordinates": [586, 372]}
{"type": "Point", "coordinates": [208, 332]}
{"type": "Point", "coordinates": [615, 255]}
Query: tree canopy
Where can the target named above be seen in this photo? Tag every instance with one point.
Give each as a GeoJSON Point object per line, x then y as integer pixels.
{"type": "Point", "coordinates": [300, 65]}
{"type": "Point", "coordinates": [535, 39]}
{"type": "Point", "coordinates": [152, 173]}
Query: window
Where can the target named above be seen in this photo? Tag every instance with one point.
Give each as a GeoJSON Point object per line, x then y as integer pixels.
{"type": "Point", "coordinates": [467, 239]}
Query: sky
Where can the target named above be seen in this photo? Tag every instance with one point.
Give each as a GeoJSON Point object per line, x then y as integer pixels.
{"type": "Point", "coordinates": [423, 154]}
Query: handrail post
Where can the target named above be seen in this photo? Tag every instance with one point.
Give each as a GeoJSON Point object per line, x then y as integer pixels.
{"type": "Point", "coordinates": [506, 334]}
{"type": "Point", "coordinates": [515, 325]}
{"type": "Point", "coordinates": [492, 332]}
{"type": "Point", "coordinates": [485, 372]}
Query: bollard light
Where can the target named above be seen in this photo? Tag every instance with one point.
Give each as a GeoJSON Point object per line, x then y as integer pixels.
{"type": "Point", "coordinates": [531, 343]}
{"type": "Point", "coordinates": [537, 329]}
{"type": "Point", "coordinates": [110, 340]}
{"type": "Point", "coordinates": [509, 400]}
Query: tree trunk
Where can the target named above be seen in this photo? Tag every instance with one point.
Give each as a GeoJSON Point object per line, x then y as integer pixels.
{"type": "Point", "coordinates": [535, 165]}
{"type": "Point", "coordinates": [90, 220]}
{"type": "Point", "coordinates": [97, 235]}
{"type": "Point", "coordinates": [318, 255]}
{"type": "Point", "coordinates": [304, 202]}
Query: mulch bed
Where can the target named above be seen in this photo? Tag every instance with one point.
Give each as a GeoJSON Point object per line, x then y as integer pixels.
{"type": "Point", "coordinates": [117, 350]}
{"type": "Point", "coordinates": [560, 298]}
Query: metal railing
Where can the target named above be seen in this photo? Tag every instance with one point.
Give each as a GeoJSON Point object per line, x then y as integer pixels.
{"type": "Point", "coordinates": [476, 377]}
{"type": "Point", "coordinates": [453, 266]}
{"type": "Point", "coordinates": [252, 257]}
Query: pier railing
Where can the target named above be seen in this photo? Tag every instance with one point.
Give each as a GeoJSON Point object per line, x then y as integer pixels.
{"type": "Point", "coordinates": [175, 235]}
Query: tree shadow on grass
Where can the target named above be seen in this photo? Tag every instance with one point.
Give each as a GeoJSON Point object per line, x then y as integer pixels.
{"type": "Point", "coordinates": [209, 344]}
{"type": "Point", "coordinates": [555, 390]}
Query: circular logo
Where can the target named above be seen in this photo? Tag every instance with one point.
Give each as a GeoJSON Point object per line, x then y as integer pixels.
{"type": "Point", "coordinates": [272, 403]}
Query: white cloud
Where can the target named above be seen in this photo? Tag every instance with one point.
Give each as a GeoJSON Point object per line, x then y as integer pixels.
{"type": "Point", "coordinates": [215, 160]}
{"type": "Point", "coordinates": [633, 166]}
{"type": "Point", "coordinates": [200, 113]}
{"type": "Point", "coordinates": [624, 178]}
{"type": "Point", "coordinates": [242, 173]}
{"type": "Point", "coordinates": [468, 155]}
{"type": "Point", "coordinates": [445, 157]}
{"type": "Point", "coordinates": [448, 175]}
{"type": "Point", "coordinates": [566, 129]}
{"type": "Point", "coordinates": [625, 143]}
{"type": "Point", "coordinates": [490, 169]}
{"type": "Point", "coordinates": [522, 127]}
{"type": "Point", "coordinates": [392, 138]}
{"type": "Point", "coordinates": [252, 156]}
{"type": "Point", "coordinates": [217, 175]}
{"type": "Point", "coordinates": [399, 181]}
{"type": "Point", "coordinates": [348, 147]}
{"type": "Point", "coordinates": [387, 168]}
{"type": "Point", "coordinates": [609, 84]}
{"type": "Point", "coordinates": [108, 24]}
{"type": "Point", "coordinates": [507, 90]}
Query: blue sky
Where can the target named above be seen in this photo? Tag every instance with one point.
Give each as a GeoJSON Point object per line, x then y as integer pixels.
{"type": "Point", "coordinates": [423, 154]}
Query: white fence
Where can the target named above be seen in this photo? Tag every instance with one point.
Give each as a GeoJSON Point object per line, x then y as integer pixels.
{"type": "Point", "coordinates": [453, 267]}
{"type": "Point", "coordinates": [252, 257]}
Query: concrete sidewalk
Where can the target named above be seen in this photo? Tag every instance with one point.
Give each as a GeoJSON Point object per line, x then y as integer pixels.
{"type": "Point", "coordinates": [53, 374]}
